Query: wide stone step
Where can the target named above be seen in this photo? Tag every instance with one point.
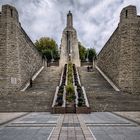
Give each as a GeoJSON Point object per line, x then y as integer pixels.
{"type": "Point", "coordinates": [46, 83]}
{"type": "Point", "coordinates": [102, 97]}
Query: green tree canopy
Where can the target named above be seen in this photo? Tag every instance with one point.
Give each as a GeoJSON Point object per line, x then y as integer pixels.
{"type": "Point", "coordinates": [84, 53]}
{"type": "Point", "coordinates": [48, 47]}
{"type": "Point", "coordinates": [91, 54]}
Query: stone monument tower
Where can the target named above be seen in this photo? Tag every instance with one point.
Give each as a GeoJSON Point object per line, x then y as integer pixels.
{"type": "Point", "coordinates": [69, 44]}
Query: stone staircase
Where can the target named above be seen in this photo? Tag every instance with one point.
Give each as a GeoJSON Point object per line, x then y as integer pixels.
{"type": "Point", "coordinates": [37, 98]}
{"type": "Point", "coordinates": [102, 97]}
{"type": "Point", "coordinates": [46, 83]}
{"type": "Point", "coordinates": [47, 80]}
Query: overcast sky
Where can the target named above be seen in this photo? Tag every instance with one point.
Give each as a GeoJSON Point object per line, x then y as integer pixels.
{"type": "Point", "coordinates": [94, 20]}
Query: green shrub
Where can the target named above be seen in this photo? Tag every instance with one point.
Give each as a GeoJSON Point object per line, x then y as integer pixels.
{"type": "Point", "coordinates": [80, 103]}
{"type": "Point", "coordinates": [69, 89]}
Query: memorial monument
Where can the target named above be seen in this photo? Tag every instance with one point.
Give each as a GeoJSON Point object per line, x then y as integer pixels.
{"type": "Point", "coordinates": [69, 50]}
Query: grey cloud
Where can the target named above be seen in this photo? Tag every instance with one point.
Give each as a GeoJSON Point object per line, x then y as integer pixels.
{"type": "Point", "coordinates": [94, 20]}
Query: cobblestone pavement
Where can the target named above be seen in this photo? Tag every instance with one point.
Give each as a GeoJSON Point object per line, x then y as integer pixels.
{"type": "Point", "coordinates": [46, 126]}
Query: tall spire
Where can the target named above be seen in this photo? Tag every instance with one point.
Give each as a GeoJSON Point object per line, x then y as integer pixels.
{"type": "Point", "coordinates": [69, 19]}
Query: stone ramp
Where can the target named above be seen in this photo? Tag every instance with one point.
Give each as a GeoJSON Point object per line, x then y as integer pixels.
{"type": "Point", "coordinates": [102, 97]}
{"type": "Point", "coordinates": [37, 98]}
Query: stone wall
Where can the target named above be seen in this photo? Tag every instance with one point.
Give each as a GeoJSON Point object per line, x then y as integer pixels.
{"type": "Point", "coordinates": [2, 54]}
{"type": "Point", "coordinates": [108, 58]}
{"type": "Point", "coordinates": [120, 57]}
{"type": "Point", "coordinates": [19, 59]}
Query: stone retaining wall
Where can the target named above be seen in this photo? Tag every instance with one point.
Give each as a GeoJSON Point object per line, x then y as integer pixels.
{"type": "Point", "coordinates": [19, 59]}
{"type": "Point", "coordinates": [108, 58]}
{"type": "Point", "coordinates": [120, 57]}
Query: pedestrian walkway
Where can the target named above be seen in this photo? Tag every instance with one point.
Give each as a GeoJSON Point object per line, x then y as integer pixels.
{"type": "Point", "coordinates": [71, 127]}
{"type": "Point", "coordinates": [94, 126]}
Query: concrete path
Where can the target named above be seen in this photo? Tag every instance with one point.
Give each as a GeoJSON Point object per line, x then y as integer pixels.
{"type": "Point", "coordinates": [94, 126]}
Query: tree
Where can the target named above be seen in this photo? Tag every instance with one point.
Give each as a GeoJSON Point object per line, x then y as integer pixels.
{"type": "Point", "coordinates": [91, 54]}
{"type": "Point", "coordinates": [82, 51]}
{"type": "Point", "coordinates": [48, 47]}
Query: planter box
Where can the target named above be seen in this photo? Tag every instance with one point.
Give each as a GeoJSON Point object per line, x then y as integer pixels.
{"type": "Point", "coordinates": [70, 109]}
{"type": "Point", "coordinates": [85, 110]}
{"type": "Point", "coordinates": [58, 110]}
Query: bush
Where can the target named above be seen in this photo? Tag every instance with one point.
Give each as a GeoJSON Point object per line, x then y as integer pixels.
{"type": "Point", "coordinates": [71, 98]}
{"type": "Point", "coordinates": [80, 104]}
{"type": "Point", "coordinates": [69, 89]}
{"type": "Point", "coordinates": [60, 102]}
{"type": "Point", "coordinates": [80, 99]}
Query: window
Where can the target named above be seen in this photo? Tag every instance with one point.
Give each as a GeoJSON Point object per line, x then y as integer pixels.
{"type": "Point", "coordinates": [126, 12]}
{"type": "Point", "coordinates": [11, 12]}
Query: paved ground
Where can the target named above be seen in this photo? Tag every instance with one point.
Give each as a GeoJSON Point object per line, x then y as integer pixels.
{"type": "Point", "coordinates": [5, 117]}
{"type": "Point", "coordinates": [135, 116]}
{"type": "Point", "coordinates": [94, 126]}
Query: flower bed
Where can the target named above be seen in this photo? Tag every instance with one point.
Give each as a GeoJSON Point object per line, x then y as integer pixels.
{"type": "Point", "coordinates": [70, 93]}
{"type": "Point", "coordinates": [70, 96]}
{"type": "Point", "coordinates": [59, 99]}
{"type": "Point", "coordinates": [82, 105]}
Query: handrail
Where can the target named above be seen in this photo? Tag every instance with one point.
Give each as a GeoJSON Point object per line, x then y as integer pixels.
{"type": "Point", "coordinates": [33, 78]}
{"type": "Point", "coordinates": [107, 79]}
{"type": "Point", "coordinates": [85, 96]}
{"type": "Point", "coordinates": [55, 96]}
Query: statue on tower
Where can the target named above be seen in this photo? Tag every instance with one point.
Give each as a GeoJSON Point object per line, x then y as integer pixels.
{"type": "Point", "coordinates": [69, 44]}
{"type": "Point", "coordinates": [69, 20]}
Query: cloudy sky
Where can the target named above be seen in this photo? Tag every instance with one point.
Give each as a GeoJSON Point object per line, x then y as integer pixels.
{"type": "Point", "coordinates": [94, 20]}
